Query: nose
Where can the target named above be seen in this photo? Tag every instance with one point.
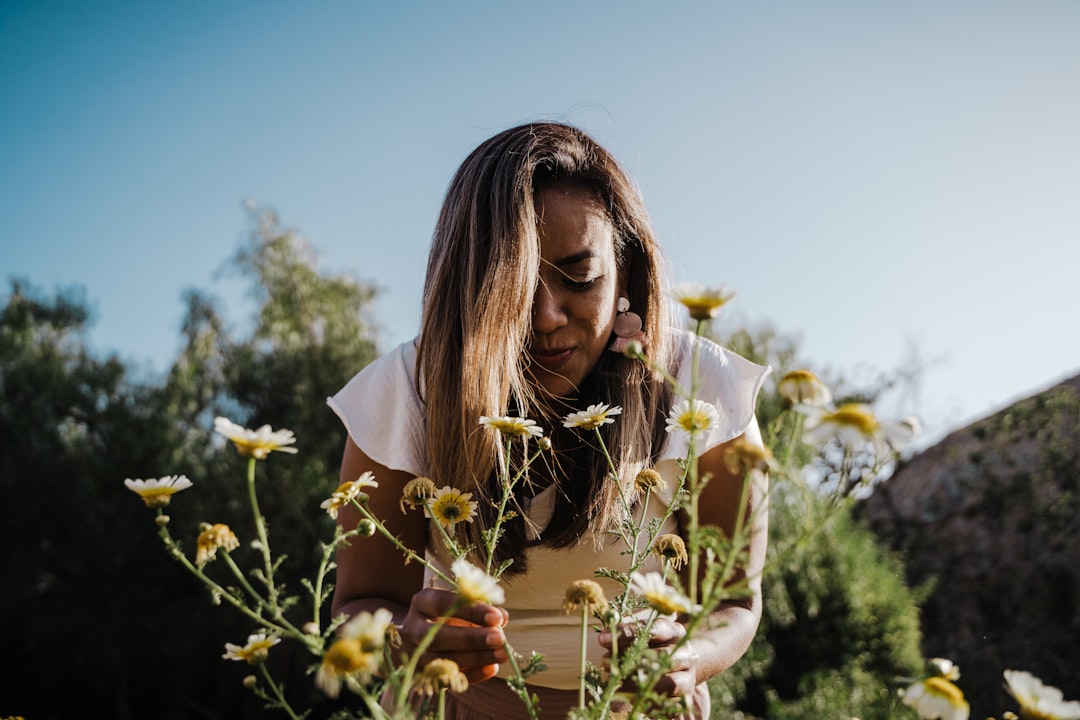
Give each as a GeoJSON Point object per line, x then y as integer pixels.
{"type": "Point", "coordinates": [548, 314]}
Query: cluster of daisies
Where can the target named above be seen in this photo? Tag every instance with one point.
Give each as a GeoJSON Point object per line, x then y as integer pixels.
{"type": "Point", "coordinates": [938, 698]}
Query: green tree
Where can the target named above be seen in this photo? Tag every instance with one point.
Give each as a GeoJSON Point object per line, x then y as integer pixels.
{"type": "Point", "coordinates": [840, 628]}
{"type": "Point", "coordinates": [310, 333]}
{"type": "Point", "coordinates": [86, 595]}
{"type": "Point", "coordinates": [92, 602]}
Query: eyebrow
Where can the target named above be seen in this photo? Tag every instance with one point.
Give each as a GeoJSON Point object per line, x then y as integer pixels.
{"type": "Point", "coordinates": [575, 258]}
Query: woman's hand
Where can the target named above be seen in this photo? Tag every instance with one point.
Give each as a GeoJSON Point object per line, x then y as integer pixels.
{"type": "Point", "coordinates": [665, 635]}
{"type": "Point", "coordinates": [472, 637]}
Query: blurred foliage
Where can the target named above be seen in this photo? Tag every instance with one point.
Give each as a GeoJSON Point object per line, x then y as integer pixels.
{"type": "Point", "coordinates": [90, 599]}
{"type": "Point", "coordinates": [840, 629]}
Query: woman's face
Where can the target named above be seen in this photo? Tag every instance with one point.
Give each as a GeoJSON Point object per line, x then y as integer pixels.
{"type": "Point", "coordinates": [575, 303]}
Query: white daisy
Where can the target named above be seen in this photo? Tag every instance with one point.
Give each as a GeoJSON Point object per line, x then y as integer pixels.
{"type": "Point", "coordinates": [695, 417]}
{"type": "Point", "coordinates": [255, 443]}
{"type": "Point", "coordinates": [476, 586]}
{"type": "Point", "coordinates": [1039, 701]}
{"type": "Point", "coordinates": [592, 417]}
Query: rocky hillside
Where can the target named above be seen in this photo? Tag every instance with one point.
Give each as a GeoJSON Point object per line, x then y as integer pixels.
{"type": "Point", "coordinates": [991, 517]}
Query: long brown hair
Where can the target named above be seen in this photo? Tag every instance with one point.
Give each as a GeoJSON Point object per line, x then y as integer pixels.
{"type": "Point", "coordinates": [472, 360]}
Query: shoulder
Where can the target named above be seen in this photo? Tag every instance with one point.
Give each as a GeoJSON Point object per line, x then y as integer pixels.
{"type": "Point", "coordinates": [393, 371]}
{"type": "Point", "coordinates": [720, 377]}
{"type": "Point", "coordinates": [382, 410]}
{"type": "Point", "coordinates": [712, 360]}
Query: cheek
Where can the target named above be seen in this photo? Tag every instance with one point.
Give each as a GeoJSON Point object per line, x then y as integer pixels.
{"type": "Point", "coordinates": [604, 313]}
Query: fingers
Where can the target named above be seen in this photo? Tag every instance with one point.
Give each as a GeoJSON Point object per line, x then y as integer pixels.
{"type": "Point", "coordinates": [477, 667]}
{"type": "Point", "coordinates": [472, 637]}
{"type": "Point", "coordinates": [472, 649]}
{"type": "Point", "coordinates": [677, 684]}
{"type": "Point", "coordinates": [435, 603]}
{"type": "Point", "coordinates": [625, 632]}
{"type": "Point", "coordinates": [665, 632]}
{"type": "Point", "coordinates": [662, 633]}
{"type": "Point", "coordinates": [664, 636]}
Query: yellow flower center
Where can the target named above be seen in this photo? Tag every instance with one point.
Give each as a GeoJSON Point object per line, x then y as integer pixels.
{"type": "Point", "coordinates": [801, 376]}
{"type": "Point", "coordinates": [648, 479]}
{"type": "Point", "coordinates": [451, 506]}
{"type": "Point", "coordinates": [214, 537]}
{"type": "Point", "coordinates": [694, 420]}
{"type": "Point", "coordinates": [470, 591]}
{"type": "Point", "coordinates": [856, 416]}
{"type": "Point", "coordinates": [945, 689]}
{"type": "Point", "coordinates": [743, 456]}
{"type": "Point", "coordinates": [665, 603]}
{"type": "Point", "coordinates": [158, 497]}
{"type": "Point", "coordinates": [441, 673]}
{"type": "Point", "coordinates": [672, 548]}
{"type": "Point", "coordinates": [346, 656]}
{"type": "Point", "coordinates": [583, 593]}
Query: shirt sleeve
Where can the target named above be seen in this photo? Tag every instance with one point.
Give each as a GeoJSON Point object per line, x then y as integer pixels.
{"type": "Point", "coordinates": [726, 380]}
{"type": "Point", "coordinates": [382, 411]}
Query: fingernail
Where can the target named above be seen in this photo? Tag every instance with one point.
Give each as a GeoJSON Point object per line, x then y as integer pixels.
{"type": "Point", "coordinates": [495, 638]}
{"type": "Point", "coordinates": [493, 619]}
{"type": "Point", "coordinates": [501, 656]}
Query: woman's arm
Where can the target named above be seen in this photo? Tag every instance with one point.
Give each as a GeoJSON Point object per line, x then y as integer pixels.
{"type": "Point", "coordinates": [372, 574]}
{"type": "Point", "coordinates": [731, 627]}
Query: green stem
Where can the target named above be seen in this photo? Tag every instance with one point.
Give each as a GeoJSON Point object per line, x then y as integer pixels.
{"type": "Point", "coordinates": [320, 577]}
{"type": "Point", "coordinates": [613, 628]}
{"type": "Point", "coordinates": [374, 708]}
{"type": "Point", "coordinates": [215, 588]}
{"type": "Point", "coordinates": [796, 424]}
{"type": "Point", "coordinates": [282, 703]}
{"type": "Point", "coordinates": [523, 690]}
{"type": "Point", "coordinates": [617, 677]}
{"type": "Point", "coordinates": [274, 612]}
{"type": "Point", "coordinates": [843, 487]}
{"type": "Point", "coordinates": [635, 561]}
{"type": "Point", "coordinates": [507, 491]}
{"type": "Point", "coordinates": [264, 542]}
{"type": "Point", "coordinates": [737, 539]}
{"type": "Point", "coordinates": [410, 554]}
{"type": "Point", "coordinates": [631, 543]}
{"type": "Point", "coordinates": [414, 656]}
{"type": "Point", "coordinates": [694, 548]}
{"type": "Point", "coordinates": [581, 654]}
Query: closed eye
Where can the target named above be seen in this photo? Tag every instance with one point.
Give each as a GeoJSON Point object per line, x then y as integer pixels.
{"type": "Point", "coordinates": [579, 284]}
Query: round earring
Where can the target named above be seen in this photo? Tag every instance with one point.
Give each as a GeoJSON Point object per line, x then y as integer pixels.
{"type": "Point", "coordinates": [627, 327]}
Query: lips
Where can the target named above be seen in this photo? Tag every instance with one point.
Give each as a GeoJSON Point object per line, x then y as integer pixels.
{"type": "Point", "coordinates": [552, 359]}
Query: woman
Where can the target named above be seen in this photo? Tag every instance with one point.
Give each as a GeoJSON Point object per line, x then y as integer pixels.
{"type": "Point", "coordinates": [541, 253]}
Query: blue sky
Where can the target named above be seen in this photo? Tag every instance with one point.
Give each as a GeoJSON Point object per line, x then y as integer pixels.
{"type": "Point", "coordinates": [888, 182]}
